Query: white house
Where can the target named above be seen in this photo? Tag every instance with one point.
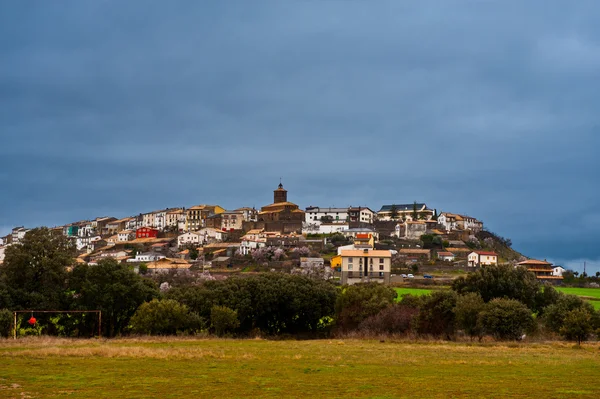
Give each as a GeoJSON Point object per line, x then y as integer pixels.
{"type": "Point", "coordinates": [315, 214]}
{"type": "Point", "coordinates": [212, 235]}
{"type": "Point", "coordinates": [83, 242]}
{"type": "Point", "coordinates": [453, 221]}
{"type": "Point", "coordinates": [2, 251]}
{"type": "Point", "coordinates": [193, 238]}
{"type": "Point", "coordinates": [360, 214]}
{"type": "Point", "coordinates": [18, 233]}
{"type": "Point", "coordinates": [405, 212]}
{"type": "Point", "coordinates": [252, 240]}
{"type": "Point", "coordinates": [446, 256]}
{"type": "Point", "coordinates": [482, 258]}
{"type": "Point", "coordinates": [126, 235]}
{"type": "Point", "coordinates": [146, 257]}
{"type": "Point", "coordinates": [558, 271]}
{"type": "Point", "coordinates": [324, 228]}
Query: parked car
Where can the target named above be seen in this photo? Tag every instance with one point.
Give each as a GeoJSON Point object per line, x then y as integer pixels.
{"type": "Point", "coordinates": [427, 276]}
{"type": "Point", "coordinates": [403, 275]}
{"type": "Point", "coordinates": [410, 276]}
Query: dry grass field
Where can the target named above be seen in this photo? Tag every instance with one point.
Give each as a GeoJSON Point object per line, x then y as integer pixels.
{"type": "Point", "coordinates": [211, 368]}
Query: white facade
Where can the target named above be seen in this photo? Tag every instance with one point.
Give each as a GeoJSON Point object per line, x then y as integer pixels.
{"type": "Point", "coordinates": [453, 221]}
{"type": "Point", "coordinates": [86, 230]}
{"type": "Point", "coordinates": [126, 235]}
{"type": "Point", "coordinates": [360, 214]}
{"type": "Point", "coordinates": [317, 215]}
{"type": "Point", "coordinates": [447, 220]}
{"type": "Point", "coordinates": [212, 235]}
{"type": "Point", "coordinates": [175, 218]}
{"type": "Point", "coordinates": [446, 256]}
{"type": "Point", "coordinates": [558, 271]}
{"type": "Point", "coordinates": [147, 257]}
{"type": "Point", "coordinates": [324, 228]}
{"type": "Point", "coordinates": [482, 258]}
{"type": "Point", "coordinates": [83, 242]}
{"type": "Point", "coordinates": [193, 238]}
{"type": "Point", "coordinates": [18, 233]}
{"type": "Point", "coordinates": [2, 252]}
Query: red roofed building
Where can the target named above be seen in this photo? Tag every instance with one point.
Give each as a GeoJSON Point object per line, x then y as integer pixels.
{"type": "Point", "coordinates": [482, 258]}
{"type": "Point", "coordinates": [146, 232]}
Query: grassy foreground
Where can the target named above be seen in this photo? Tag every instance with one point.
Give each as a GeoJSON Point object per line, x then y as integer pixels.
{"type": "Point", "coordinates": [183, 368]}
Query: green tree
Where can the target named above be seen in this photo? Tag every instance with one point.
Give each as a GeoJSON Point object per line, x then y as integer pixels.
{"type": "Point", "coordinates": [555, 314]}
{"type": "Point", "coordinates": [164, 317]}
{"type": "Point", "coordinates": [437, 316]}
{"type": "Point", "coordinates": [506, 319]}
{"type": "Point", "coordinates": [6, 323]}
{"type": "Point", "coordinates": [501, 282]}
{"type": "Point", "coordinates": [467, 310]}
{"type": "Point", "coordinates": [360, 301]}
{"type": "Point", "coordinates": [223, 320]}
{"type": "Point", "coordinates": [415, 211]}
{"type": "Point", "coordinates": [34, 271]}
{"type": "Point", "coordinates": [143, 268]}
{"type": "Point", "coordinates": [112, 288]}
{"type": "Point", "coordinates": [394, 212]}
{"type": "Point", "coordinates": [274, 303]}
{"type": "Point", "coordinates": [577, 325]}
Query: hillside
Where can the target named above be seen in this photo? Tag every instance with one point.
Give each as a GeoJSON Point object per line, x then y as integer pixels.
{"type": "Point", "coordinates": [487, 240]}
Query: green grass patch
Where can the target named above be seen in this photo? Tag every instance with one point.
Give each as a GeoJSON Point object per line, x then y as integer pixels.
{"type": "Point", "coordinates": [592, 295]}
{"type": "Point", "coordinates": [413, 291]}
{"type": "Point", "coordinates": [183, 368]}
{"type": "Point", "coordinates": [587, 292]}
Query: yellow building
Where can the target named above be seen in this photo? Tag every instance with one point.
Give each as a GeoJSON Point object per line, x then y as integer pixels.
{"type": "Point", "coordinates": [196, 216]}
{"type": "Point", "coordinates": [336, 262]}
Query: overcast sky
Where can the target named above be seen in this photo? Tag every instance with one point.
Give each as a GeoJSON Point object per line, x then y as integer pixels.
{"type": "Point", "coordinates": [488, 108]}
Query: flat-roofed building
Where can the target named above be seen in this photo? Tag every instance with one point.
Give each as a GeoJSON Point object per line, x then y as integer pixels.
{"type": "Point", "coordinates": [366, 265]}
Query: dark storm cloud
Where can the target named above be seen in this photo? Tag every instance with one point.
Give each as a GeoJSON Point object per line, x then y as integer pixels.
{"type": "Point", "coordinates": [482, 107]}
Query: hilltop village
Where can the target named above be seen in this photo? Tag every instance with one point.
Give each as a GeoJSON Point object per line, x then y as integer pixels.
{"type": "Point", "coordinates": [353, 244]}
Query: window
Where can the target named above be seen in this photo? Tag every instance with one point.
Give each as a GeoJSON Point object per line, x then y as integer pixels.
{"type": "Point", "coordinates": [380, 260]}
{"type": "Point", "coordinates": [349, 267]}
{"type": "Point", "coordinates": [380, 267]}
{"type": "Point", "coordinates": [350, 260]}
{"type": "Point", "coordinates": [380, 274]}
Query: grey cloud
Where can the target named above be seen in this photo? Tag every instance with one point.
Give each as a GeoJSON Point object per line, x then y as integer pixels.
{"type": "Point", "coordinates": [482, 107]}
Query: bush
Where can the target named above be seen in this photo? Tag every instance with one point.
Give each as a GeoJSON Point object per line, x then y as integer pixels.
{"type": "Point", "coordinates": [274, 303]}
{"type": "Point", "coordinates": [501, 282]}
{"type": "Point", "coordinates": [223, 320]}
{"type": "Point", "coordinates": [164, 317]}
{"type": "Point", "coordinates": [437, 314]}
{"type": "Point", "coordinates": [467, 310]}
{"type": "Point", "coordinates": [506, 319]}
{"type": "Point", "coordinates": [555, 314]}
{"type": "Point", "coordinates": [6, 323]}
{"type": "Point", "coordinates": [395, 319]}
{"type": "Point", "coordinates": [361, 301]}
{"type": "Point", "coordinates": [577, 325]}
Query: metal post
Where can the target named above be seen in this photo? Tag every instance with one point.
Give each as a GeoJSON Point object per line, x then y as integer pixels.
{"type": "Point", "coordinates": [15, 325]}
{"type": "Point", "coordinates": [99, 324]}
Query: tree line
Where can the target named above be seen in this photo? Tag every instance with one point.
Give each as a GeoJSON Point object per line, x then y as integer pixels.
{"type": "Point", "coordinates": [502, 302]}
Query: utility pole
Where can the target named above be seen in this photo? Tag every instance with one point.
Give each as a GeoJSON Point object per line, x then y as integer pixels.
{"type": "Point", "coordinates": [584, 268]}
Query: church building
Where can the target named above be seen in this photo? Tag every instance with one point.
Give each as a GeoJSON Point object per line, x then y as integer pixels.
{"type": "Point", "coordinates": [281, 215]}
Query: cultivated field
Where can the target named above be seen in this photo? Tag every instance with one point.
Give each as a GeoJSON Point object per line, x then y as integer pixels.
{"type": "Point", "coordinates": [188, 368]}
{"type": "Point", "coordinates": [591, 294]}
